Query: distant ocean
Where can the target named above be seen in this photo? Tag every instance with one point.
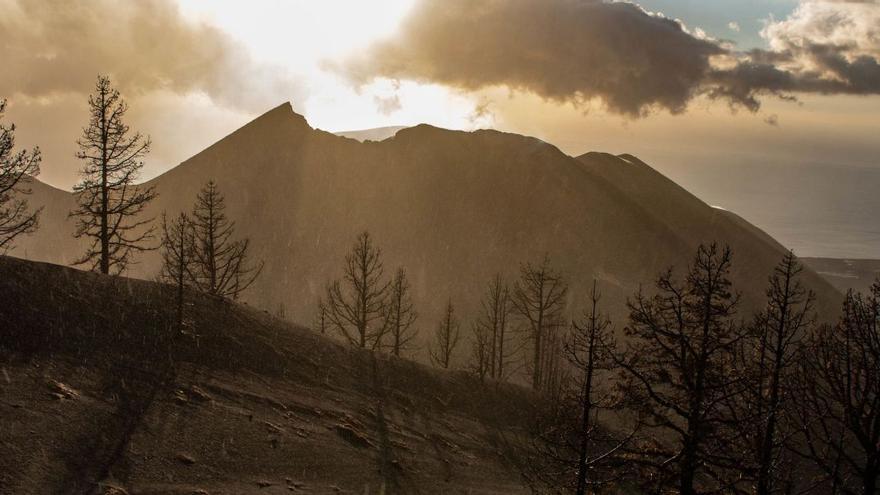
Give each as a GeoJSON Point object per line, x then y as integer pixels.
{"type": "Point", "coordinates": [819, 211]}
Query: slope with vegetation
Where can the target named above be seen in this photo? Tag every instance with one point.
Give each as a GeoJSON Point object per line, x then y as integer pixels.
{"type": "Point", "coordinates": [103, 390]}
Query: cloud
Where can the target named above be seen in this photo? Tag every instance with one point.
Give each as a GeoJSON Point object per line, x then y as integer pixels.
{"type": "Point", "coordinates": [733, 26]}
{"type": "Point", "coordinates": [633, 61]}
{"type": "Point", "coordinates": [53, 47]}
{"type": "Point", "coordinates": [824, 47]}
{"type": "Point", "coordinates": [562, 50]}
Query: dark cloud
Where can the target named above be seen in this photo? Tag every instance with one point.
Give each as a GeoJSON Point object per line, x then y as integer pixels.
{"type": "Point", "coordinates": [58, 46]}
{"type": "Point", "coordinates": [634, 61]}
{"type": "Point", "coordinates": [564, 50]}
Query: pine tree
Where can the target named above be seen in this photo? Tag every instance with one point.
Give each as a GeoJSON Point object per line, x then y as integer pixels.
{"type": "Point", "coordinates": [400, 315]}
{"type": "Point", "coordinates": [590, 350]}
{"type": "Point", "coordinates": [539, 299]}
{"type": "Point", "coordinates": [221, 265]}
{"type": "Point", "coordinates": [838, 406]}
{"type": "Point", "coordinates": [446, 338]}
{"type": "Point", "coordinates": [16, 217]}
{"type": "Point", "coordinates": [776, 338]}
{"type": "Point", "coordinates": [357, 305]}
{"type": "Point", "coordinates": [177, 257]}
{"type": "Point", "coordinates": [109, 202]}
{"type": "Point", "coordinates": [493, 323]}
{"type": "Point", "coordinates": [572, 453]}
{"type": "Point", "coordinates": [678, 373]}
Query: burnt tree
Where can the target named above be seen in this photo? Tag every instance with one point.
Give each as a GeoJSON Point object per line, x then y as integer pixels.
{"type": "Point", "coordinates": [109, 202]}
{"type": "Point", "coordinates": [446, 338]}
{"type": "Point", "coordinates": [539, 300]}
{"type": "Point", "coordinates": [839, 399]}
{"type": "Point", "coordinates": [177, 258]}
{"type": "Point", "coordinates": [481, 351]}
{"type": "Point", "coordinates": [572, 452]}
{"type": "Point", "coordinates": [775, 341]}
{"type": "Point", "coordinates": [400, 314]}
{"type": "Point", "coordinates": [590, 350]}
{"type": "Point", "coordinates": [16, 169]}
{"type": "Point", "coordinates": [220, 263]}
{"type": "Point", "coordinates": [678, 375]}
{"type": "Point", "coordinates": [356, 305]}
{"type": "Point", "coordinates": [493, 324]}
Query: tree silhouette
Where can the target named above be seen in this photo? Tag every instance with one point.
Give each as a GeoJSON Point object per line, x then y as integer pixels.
{"type": "Point", "coordinates": [177, 257]}
{"type": "Point", "coordinates": [356, 305]}
{"type": "Point", "coordinates": [590, 350]}
{"type": "Point", "coordinates": [571, 452]}
{"type": "Point", "coordinates": [492, 324]}
{"type": "Point", "coordinates": [321, 320]}
{"type": "Point", "coordinates": [16, 217]}
{"type": "Point", "coordinates": [539, 299]}
{"type": "Point", "coordinates": [481, 351]}
{"type": "Point", "coordinates": [220, 264]}
{"type": "Point", "coordinates": [446, 338]}
{"type": "Point", "coordinates": [775, 342]}
{"type": "Point", "coordinates": [839, 398]}
{"type": "Point", "coordinates": [678, 374]}
{"type": "Point", "coordinates": [400, 315]}
{"type": "Point", "coordinates": [108, 200]}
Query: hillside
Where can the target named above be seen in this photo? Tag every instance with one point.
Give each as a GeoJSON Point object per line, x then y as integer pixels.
{"type": "Point", "coordinates": [101, 393]}
{"type": "Point", "coordinates": [453, 208]}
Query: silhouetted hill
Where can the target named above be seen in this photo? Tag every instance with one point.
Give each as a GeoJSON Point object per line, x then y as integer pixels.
{"type": "Point", "coordinates": [452, 207]}
{"type": "Point", "coordinates": [101, 390]}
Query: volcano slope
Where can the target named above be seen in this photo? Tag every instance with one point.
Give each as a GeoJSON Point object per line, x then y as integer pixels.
{"type": "Point", "coordinates": [453, 208]}
{"type": "Point", "coordinates": [102, 392]}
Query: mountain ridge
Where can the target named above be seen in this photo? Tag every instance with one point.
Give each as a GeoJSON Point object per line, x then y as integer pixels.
{"type": "Point", "coordinates": [453, 208]}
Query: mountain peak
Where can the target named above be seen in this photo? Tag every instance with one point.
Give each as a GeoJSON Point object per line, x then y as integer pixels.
{"type": "Point", "coordinates": [281, 122]}
{"type": "Point", "coordinates": [283, 114]}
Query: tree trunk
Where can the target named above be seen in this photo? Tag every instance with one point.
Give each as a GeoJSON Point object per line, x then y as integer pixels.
{"type": "Point", "coordinates": [869, 480]}
{"type": "Point", "coordinates": [105, 200]}
{"type": "Point", "coordinates": [585, 425]}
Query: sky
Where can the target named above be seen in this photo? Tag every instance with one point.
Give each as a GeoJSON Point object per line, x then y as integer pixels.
{"type": "Point", "coordinates": [694, 88]}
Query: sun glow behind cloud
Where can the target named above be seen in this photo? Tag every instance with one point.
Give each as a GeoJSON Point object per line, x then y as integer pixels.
{"type": "Point", "coordinates": [304, 37]}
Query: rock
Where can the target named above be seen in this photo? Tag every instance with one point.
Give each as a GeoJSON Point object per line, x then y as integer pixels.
{"type": "Point", "coordinates": [273, 428]}
{"type": "Point", "coordinates": [199, 394]}
{"type": "Point", "coordinates": [352, 436]}
{"type": "Point", "coordinates": [61, 391]}
{"type": "Point", "coordinates": [185, 459]}
{"type": "Point", "coordinates": [108, 488]}
{"type": "Point", "coordinates": [264, 483]}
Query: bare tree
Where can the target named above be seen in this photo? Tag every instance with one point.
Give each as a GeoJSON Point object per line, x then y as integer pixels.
{"type": "Point", "coordinates": [446, 338]}
{"type": "Point", "coordinates": [493, 321]}
{"type": "Point", "coordinates": [321, 320]}
{"type": "Point", "coordinates": [539, 299]}
{"type": "Point", "coordinates": [839, 402]}
{"type": "Point", "coordinates": [220, 263]}
{"type": "Point", "coordinates": [776, 340]}
{"type": "Point", "coordinates": [678, 374]}
{"type": "Point", "coordinates": [356, 306]}
{"type": "Point", "coordinates": [590, 350]}
{"type": "Point", "coordinates": [400, 315]}
{"type": "Point", "coordinates": [481, 351]}
{"type": "Point", "coordinates": [573, 453]}
{"type": "Point", "coordinates": [177, 257]}
{"type": "Point", "coordinates": [109, 202]}
{"type": "Point", "coordinates": [16, 169]}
